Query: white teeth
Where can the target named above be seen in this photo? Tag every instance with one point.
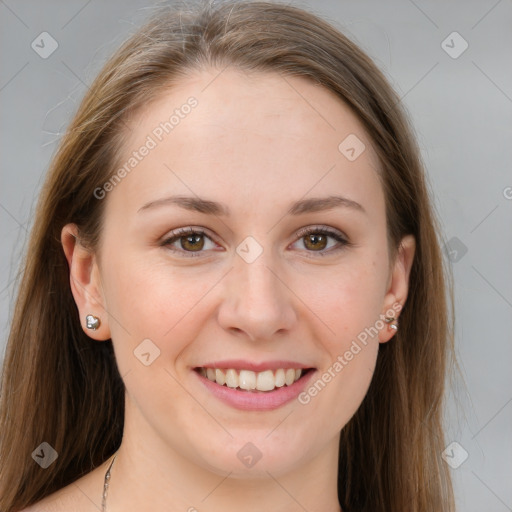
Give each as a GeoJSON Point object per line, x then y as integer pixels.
{"type": "Point", "coordinates": [220, 378]}
{"type": "Point", "coordinates": [249, 380]}
{"type": "Point", "coordinates": [266, 381]}
{"type": "Point", "coordinates": [289, 376]}
{"type": "Point", "coordinates": [279, 378]}
{"type": "Point", "coordinates": [231, 379]}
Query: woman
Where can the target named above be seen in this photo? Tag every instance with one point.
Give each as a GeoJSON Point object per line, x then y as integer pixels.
{"type": "Point", "coordinates": [234, 294]}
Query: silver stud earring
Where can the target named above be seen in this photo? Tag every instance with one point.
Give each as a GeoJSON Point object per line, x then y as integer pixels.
{"type": "Point", "coordinates": [393, 325]}
{"type": "Point", "coordinates": [92, 322]}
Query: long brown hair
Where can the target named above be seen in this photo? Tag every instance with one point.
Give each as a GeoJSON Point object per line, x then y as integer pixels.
{"type": "Point", "coordinates": [61, 388]}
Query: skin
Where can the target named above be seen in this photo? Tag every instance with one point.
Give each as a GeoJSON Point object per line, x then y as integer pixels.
{"type": "Point", "coordinates": [255, 142]}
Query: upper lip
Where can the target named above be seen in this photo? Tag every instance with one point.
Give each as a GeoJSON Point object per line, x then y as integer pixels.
{"type": "Point", "coordinates": [240, 364]}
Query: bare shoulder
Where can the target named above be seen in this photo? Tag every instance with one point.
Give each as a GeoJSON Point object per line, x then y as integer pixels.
{"type": "Point", "coordinates": [61, 501]}
{"type": "Point", "coordinates": [83, 495]}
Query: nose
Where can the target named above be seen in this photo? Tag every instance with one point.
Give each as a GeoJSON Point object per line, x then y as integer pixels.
{"type": "Point", "coordinates": [258, 303]}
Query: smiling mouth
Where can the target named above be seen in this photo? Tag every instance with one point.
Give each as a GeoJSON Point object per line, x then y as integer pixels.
{"type": "Point", "coordinates": [247, 380]}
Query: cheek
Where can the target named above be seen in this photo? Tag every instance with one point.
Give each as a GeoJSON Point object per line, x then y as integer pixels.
{"type": "Point", "coordinates": [350, 303]}
{"type": "Point", "coordinates": [156, 302]}
{"type": "Point", "coordinates": [352, 381]}
{"type": "Point", "coordinates": [335, 394]}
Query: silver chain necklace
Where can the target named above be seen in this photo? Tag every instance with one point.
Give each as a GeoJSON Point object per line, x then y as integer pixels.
{"type": "Point", "coordinates": [105, 486]}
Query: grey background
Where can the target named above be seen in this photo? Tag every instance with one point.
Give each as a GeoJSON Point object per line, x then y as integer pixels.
{"type": "Point", "coordinates": [461, 109]}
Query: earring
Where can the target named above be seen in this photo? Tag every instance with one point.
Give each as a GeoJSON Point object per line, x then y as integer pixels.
{"type": "Point", "coordinates": [393, 325]}
{"type": "Point", "coordinates": [92, 322]}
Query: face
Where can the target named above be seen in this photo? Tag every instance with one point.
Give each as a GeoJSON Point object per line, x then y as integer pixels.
{"type": "Point", "coordinates": [267, 286]}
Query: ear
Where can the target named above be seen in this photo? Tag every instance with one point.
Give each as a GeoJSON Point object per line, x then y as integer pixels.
{"type": "Point", "coordinates": [398, 284]}
{"type": "Point", "coordinates": [84, 278]}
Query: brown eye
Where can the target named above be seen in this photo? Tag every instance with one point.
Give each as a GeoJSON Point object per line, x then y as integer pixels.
{"type": "Point", "coordinates": [315, 241]}
{"type": "Point", "coordinates": [192, 242]}
{"type": "Point", "coordinates": [188, 241]}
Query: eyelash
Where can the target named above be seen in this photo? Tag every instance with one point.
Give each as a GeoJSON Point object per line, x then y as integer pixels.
{"type": "Point", "coordinates": [181, 232]}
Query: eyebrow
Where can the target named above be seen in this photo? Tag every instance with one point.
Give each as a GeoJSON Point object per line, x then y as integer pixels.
{"type": "Point", "coordinates": [300, 207]}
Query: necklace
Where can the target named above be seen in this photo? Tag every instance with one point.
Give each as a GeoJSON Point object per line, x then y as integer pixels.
{"type": "Point", "coordinates": [105, 485]}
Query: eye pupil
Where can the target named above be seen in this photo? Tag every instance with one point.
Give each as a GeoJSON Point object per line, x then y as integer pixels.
{"type": "Point", "coordinates": [192, 239]}
{"type": "Point", "coordinates": [317, 241]}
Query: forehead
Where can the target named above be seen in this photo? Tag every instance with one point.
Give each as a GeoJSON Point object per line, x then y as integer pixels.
{"type": "Point", "coordinates": [248, 139]}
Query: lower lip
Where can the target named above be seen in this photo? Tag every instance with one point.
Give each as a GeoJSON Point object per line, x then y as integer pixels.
{"type": "Point", "coordinates": [256, 400]}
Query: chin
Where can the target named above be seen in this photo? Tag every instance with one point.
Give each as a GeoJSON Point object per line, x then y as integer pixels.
{"type": "Point", "coordinates": [243, 458]}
